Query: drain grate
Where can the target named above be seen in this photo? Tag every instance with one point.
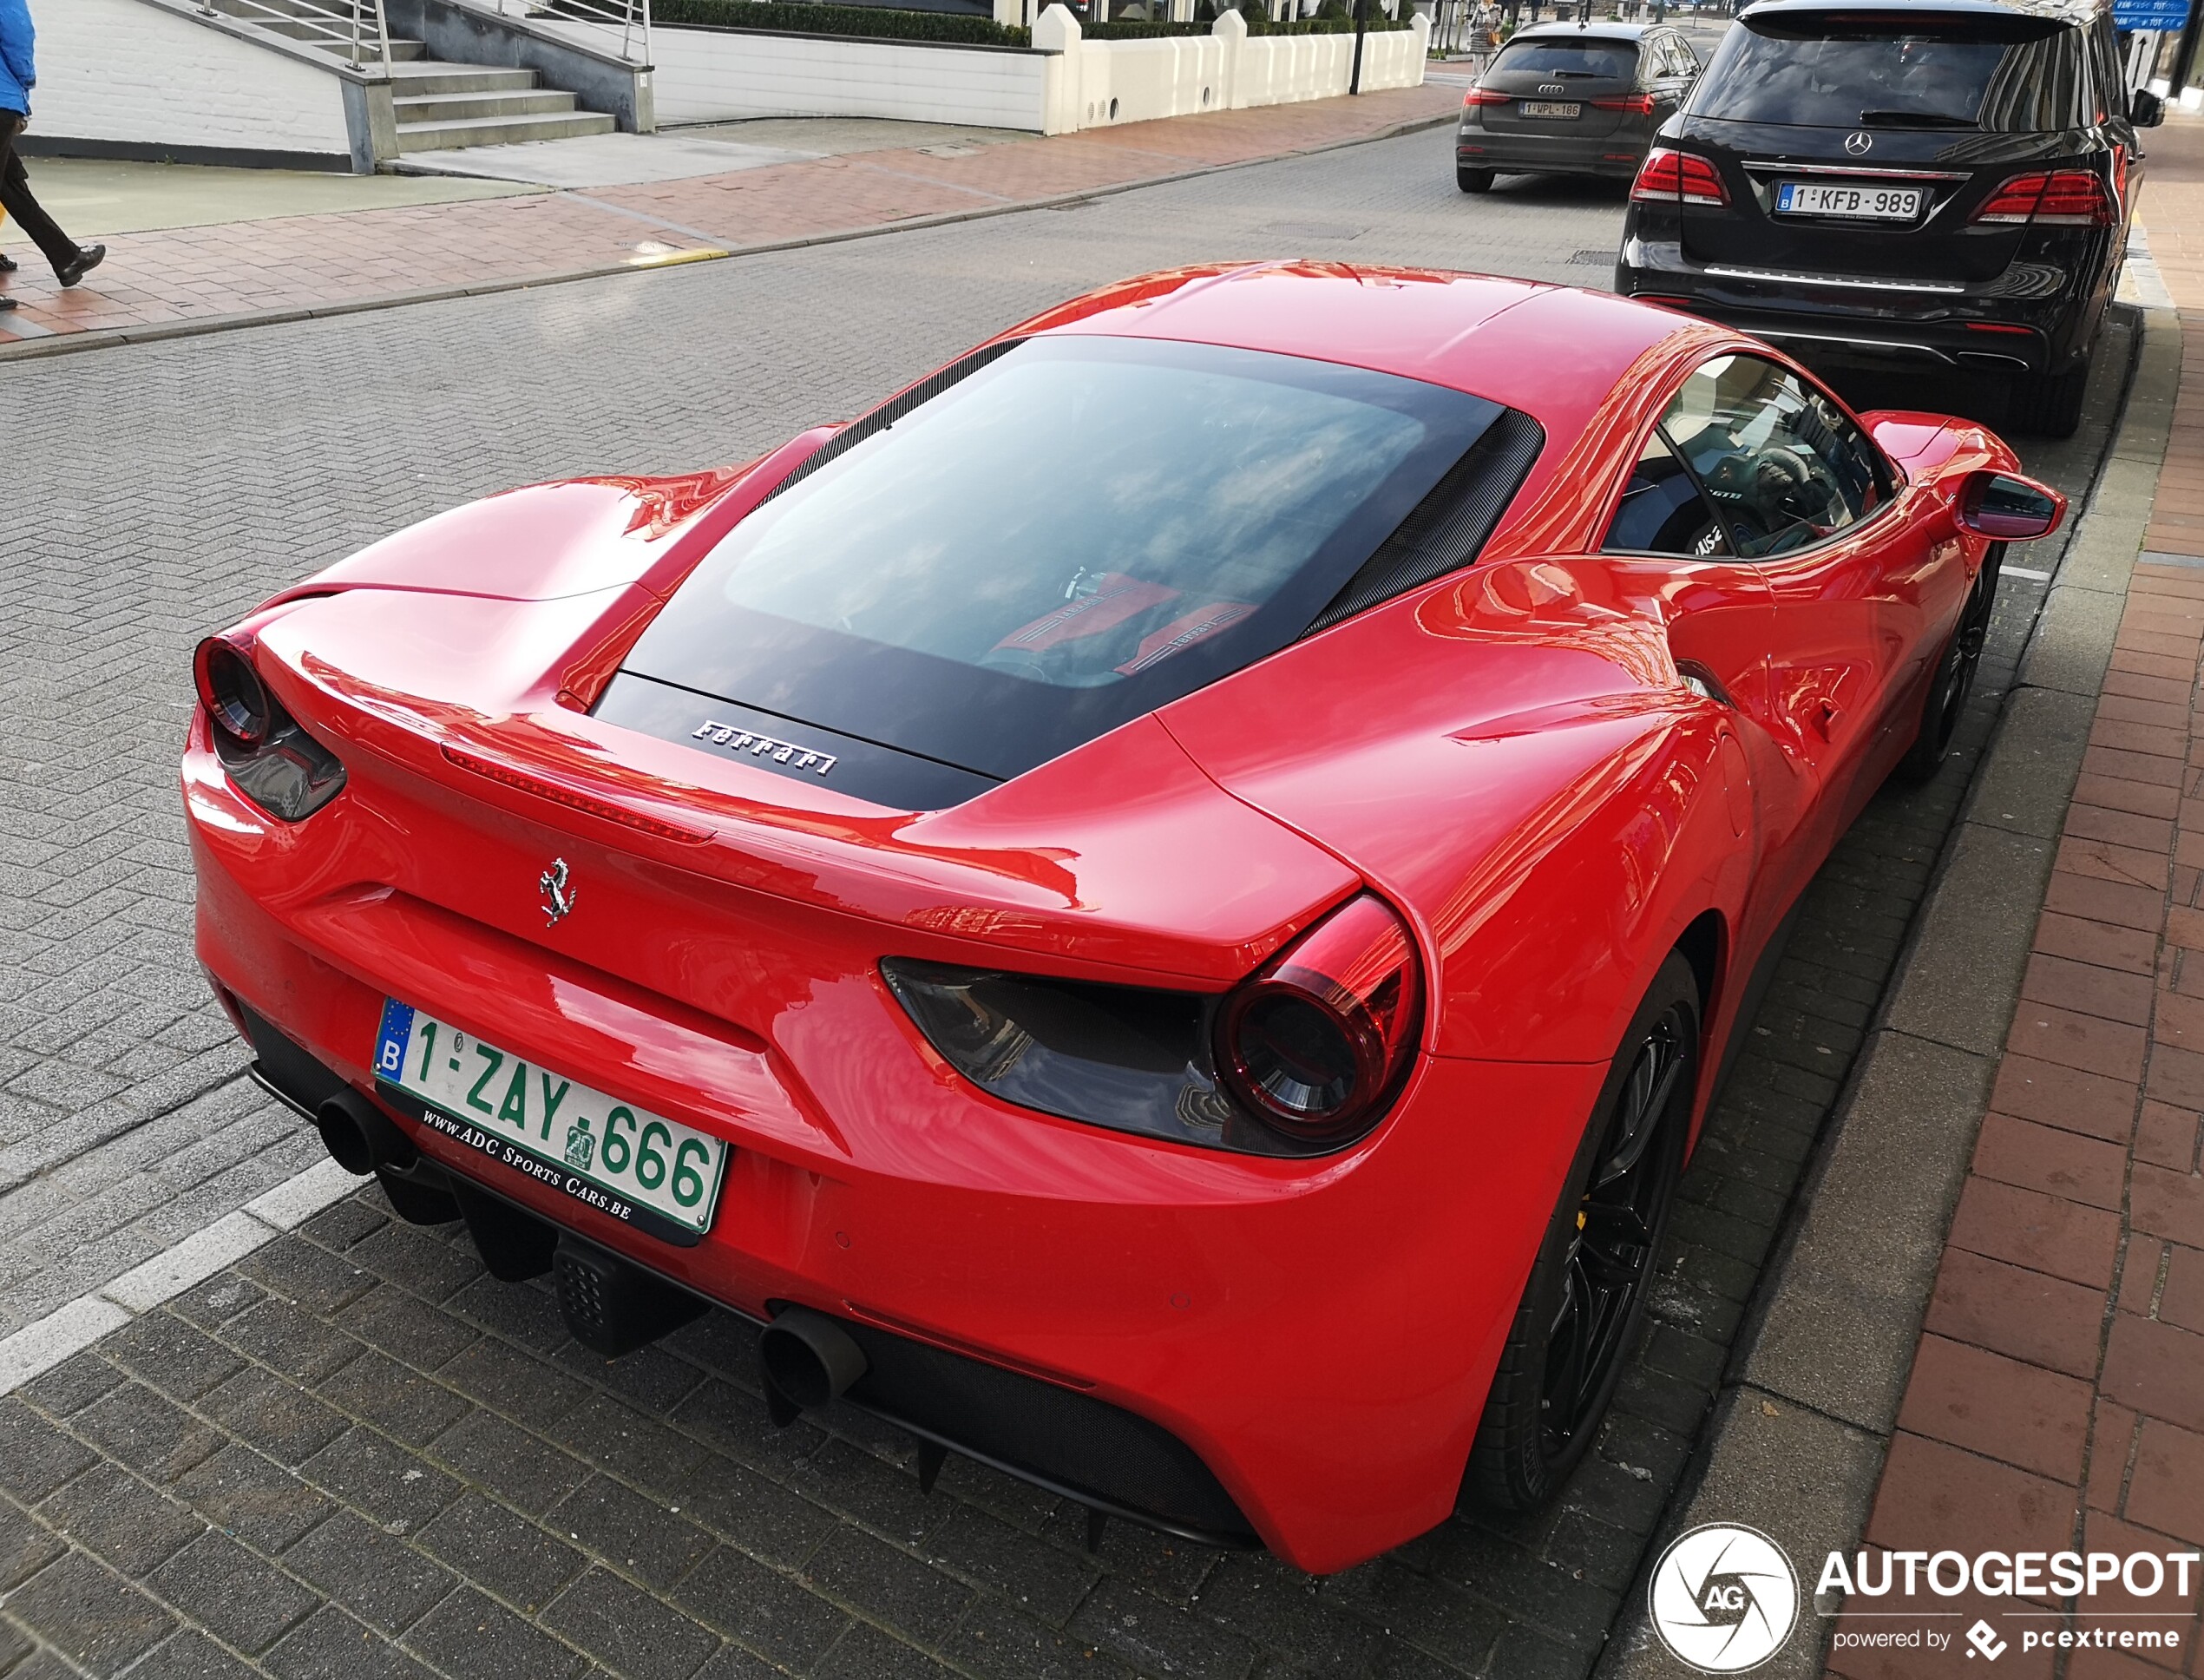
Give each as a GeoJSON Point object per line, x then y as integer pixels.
{"type": "Point", "coordinates": [1602, 258]}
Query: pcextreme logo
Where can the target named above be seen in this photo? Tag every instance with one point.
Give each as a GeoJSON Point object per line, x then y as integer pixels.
{"type": "Point", "coordinates": [1724, 1598]}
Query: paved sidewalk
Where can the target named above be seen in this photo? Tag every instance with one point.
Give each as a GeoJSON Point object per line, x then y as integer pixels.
{"type": "Point", "coordinates": [301, 265]}
{"type": "Point", "coordinates": [2057, 1398]}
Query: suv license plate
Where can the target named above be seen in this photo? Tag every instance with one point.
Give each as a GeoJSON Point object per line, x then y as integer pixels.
{"type": "Point", "coordinates": [1550, 108]}
{"type": "Point", "coordinates": [1814, 198]}
{"type": "Point", "coordinates": [639, 1167]}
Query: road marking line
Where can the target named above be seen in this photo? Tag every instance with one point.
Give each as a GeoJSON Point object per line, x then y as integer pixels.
{"type": "Point", "coordinates": [2031, 575]}
{"type": "Point", "coordinates": [68, 1330]}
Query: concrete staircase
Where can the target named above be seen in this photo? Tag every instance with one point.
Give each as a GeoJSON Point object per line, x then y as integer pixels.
{"type": "Point", "coordinates": [439, 106]}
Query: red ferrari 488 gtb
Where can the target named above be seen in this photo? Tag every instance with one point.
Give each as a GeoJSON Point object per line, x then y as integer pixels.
{"type": "Point", "coordinates": [1162, 908]}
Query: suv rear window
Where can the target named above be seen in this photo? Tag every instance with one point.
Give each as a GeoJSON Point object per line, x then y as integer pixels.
{"type": "Point", "coordinates": [1997, 74]}
{"type": "Point", "coordinates": [1564, 55]}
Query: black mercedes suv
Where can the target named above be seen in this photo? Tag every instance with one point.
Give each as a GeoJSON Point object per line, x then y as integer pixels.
{"type": "Point", "coordinates": [1939, 181]}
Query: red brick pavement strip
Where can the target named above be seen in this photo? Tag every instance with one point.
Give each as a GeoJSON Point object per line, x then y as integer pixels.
{"type": "Point", "coordinates": [2057, 1401]}
{"type": "Point", "coordinates": [237, 274]}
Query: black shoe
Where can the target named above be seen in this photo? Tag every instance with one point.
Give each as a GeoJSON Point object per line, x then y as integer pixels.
{"type": "Point", "coordinates": [9, 265]}
{"type": "Point", "coordinates": [6, 304]}
{"type": "Point", "coordinates": [89, 258]}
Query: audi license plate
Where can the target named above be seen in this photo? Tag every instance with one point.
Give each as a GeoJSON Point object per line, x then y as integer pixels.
{"type": "Point", "coordinates": [1815, 198]}
{"type": "Point", "coordinates": [635, 1165]}
{"type": "Point", "coordinates": [1550, 108]}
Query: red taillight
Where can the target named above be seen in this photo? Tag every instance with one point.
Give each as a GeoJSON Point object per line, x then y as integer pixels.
{"type": "Point", "coordinates": [1485, 96]}
{"type": "Point", "coordinates": [2070, 198]}
{"type": "Point", "coordinates": [1641, 104]}
{"type": "Point", "coordinates": [230, 689]}
{"type": "Point", "coordinates": [1316, 1040]}
{"type": "Point", "coordinates": [1668, 176]}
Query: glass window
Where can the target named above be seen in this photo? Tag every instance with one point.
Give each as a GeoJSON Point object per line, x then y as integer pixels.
{"type": "Point", "coordinates": [1661, 510]}
{"type": "Point", "coordinates": [1785, 466]}
{"type": "Point", "coordinates": [2001, 73]}
{"type": "Point", "coordinates": [1082, 530]}
{"type": "Point", "coordinates": [1568, 55]}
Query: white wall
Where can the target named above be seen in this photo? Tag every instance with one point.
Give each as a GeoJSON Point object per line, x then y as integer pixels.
{"type": "Point", "coordinates": [710, 75]}
{"type": "Point", "coordinates": [131, 71]}
{"type": "Point", "coordinates": [1066, 83]}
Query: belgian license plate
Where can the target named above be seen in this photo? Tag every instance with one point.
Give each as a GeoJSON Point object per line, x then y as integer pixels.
{"type": "Point", "coordinates": [1550, 108]}
{"type": "Point", "coordinates": [1815, 198]}
{"type": "Point", "coordinates": [622, 1160]}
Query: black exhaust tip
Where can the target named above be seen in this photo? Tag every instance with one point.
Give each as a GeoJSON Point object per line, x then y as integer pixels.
{"type": "Point", "coordinates": [809, 1359]}
{"type": "Point", "coordinates": [360, 1137]}
{"type": "Point", "coordinates": [611, 1307]}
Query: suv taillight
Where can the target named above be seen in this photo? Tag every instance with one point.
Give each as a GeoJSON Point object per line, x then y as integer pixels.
{"type": "Point", "coordinates": [2068, 197]}
{"type": "Point", "coordinates": [1641, 104]}
{"type": "Point", "coordinates": [1668, 176]}
{"type": "Point", "coordinates": [1318, 1039]}
{"type": "Point", "coordinates": [1485, 96]}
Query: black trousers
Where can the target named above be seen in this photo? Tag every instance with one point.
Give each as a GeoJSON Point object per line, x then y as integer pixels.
{"type": "Point", "coordinates": [14, 198]}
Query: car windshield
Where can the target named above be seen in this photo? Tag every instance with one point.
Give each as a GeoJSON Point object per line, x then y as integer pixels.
{"type": "Point", "coordinates": [1567, 56]}
{"type": "Point", "coordinates": [2002, 73]}
{"type": "Point", "coordinates": [1082, 530]}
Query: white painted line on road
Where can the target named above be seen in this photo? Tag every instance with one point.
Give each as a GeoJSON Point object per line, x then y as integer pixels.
{"type": "Point", "coordinates": [67, 1330]}
{"type": "Point", "coordinates": [2028, 572]}
{"type": "Point", "coordinates": [294, 1201]}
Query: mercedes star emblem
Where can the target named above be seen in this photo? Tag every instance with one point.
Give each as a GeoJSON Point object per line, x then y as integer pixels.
{"type": "Point", "coordinates": [1860, 144]}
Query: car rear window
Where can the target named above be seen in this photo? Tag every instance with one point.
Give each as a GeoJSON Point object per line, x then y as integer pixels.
{"type": "Point", "coordinates": [1564, 56]}
{"type": "Point", "coordinates": [1078, 531]}
{"type": "Point", "coordinates": [1998, 74]}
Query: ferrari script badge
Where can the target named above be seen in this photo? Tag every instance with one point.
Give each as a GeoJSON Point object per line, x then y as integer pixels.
{"type": "Point", "coordinates": [558, 896]}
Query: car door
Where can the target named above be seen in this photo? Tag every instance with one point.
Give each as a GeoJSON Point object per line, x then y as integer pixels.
{"type": "Point", "coordinates": [1666, 541]}
{"type": "Point", "coordinates": [1670, 74]}
{"type": "Point", "coordinates": [1865, 583]}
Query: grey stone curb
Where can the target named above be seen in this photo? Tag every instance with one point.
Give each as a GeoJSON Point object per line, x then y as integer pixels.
{"type": "Point", "coordinates": [1799, 1437]}
{"type": "Point", "coordinates": [66, 344]}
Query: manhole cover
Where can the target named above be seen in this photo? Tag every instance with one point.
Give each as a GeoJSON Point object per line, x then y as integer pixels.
{"type": "Point", "coordinates": [1602, 258]}
{"type": "Point", "coordinates": [1309, 230]}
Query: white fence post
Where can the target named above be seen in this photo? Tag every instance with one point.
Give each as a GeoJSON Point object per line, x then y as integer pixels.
{"type": "Point", "coordinates": [1057, 33]}
{"type": "Point", "coordinates": [1230, 33]}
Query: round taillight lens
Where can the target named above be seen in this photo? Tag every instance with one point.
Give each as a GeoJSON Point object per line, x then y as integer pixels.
{"type": "Point", "coordinates": [231, 691]}
{"type": "Point", "coordinates": [1317, 1041]}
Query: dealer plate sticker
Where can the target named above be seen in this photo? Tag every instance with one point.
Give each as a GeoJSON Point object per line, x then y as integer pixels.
{"type": "Point", "coordinates": [612, 1155]}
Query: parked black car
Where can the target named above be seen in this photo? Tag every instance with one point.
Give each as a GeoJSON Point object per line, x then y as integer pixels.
{"type": "Point", "coordinates": [1571, 99]}
{"type": "Point", "coordinates": [1947, 182]}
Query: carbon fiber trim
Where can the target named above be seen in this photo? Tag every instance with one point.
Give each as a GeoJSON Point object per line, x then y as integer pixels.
{"type": "Point", "coordinates": [1445, 529]}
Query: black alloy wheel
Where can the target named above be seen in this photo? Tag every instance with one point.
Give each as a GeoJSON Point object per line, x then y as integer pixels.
{"type": "Point", "coordinates": [1954, 681]}
{"type": "Point", "coordinates": [1582, 1310]}
{"type": "Point", "coordinates": [1619, 1222]}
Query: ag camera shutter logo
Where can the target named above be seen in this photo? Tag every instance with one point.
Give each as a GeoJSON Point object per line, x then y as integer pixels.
{"type": "Point", "coordinates": [1724, 1598]}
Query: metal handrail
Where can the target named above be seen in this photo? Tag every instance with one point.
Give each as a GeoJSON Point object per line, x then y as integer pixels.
{"type": "Point", "coordinates": [630, 17]}
{"type": "Point", "coordinates": [336, 26]}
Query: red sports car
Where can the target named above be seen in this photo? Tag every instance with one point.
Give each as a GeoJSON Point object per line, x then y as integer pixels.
{"type": "Point", "coordinates": [1162, 908]}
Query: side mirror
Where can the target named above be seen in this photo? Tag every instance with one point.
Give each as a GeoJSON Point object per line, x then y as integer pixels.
{"type": "Point", "coordinates": [2145, 109]}
{"type": "Point", "coordinates": [2007, 507]}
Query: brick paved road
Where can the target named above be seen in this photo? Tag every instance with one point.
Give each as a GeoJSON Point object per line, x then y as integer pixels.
{"type": "Point", "coordinates": [355, 1454]}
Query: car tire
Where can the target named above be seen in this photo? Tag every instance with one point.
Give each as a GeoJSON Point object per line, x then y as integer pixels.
{"type": "Point", "coordinates": [2049, 405]}
{"type": "Point", "coordinates": [1947, 700]}
{"type": "Point", "coordinates": [1571, 1337]}
{"type": "Point", "coordinates": [1474, 181]}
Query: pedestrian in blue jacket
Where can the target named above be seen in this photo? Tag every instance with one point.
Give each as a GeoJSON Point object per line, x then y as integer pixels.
{"type": "Point", "coordinates": [18, 74]}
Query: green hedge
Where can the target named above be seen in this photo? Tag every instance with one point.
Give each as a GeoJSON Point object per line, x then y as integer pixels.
{"type": "Point", "coordinates": [804, 18]}
{"type": "Point", "coordinates": [895, 24]}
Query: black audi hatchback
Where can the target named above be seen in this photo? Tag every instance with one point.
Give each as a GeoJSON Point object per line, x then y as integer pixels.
{"type": "Point", "coordinates": [1943, 182]}
{"type": "Point", "coordinates": [1571, 99]}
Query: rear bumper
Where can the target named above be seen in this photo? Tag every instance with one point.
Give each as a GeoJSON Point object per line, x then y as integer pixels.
{"type": "Point", "coordinates": [1232, 1348]}
{"type": "Point", "coordinates": [1868, 321]}
{"type": "Point", "coordinates": [1616, 155]}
